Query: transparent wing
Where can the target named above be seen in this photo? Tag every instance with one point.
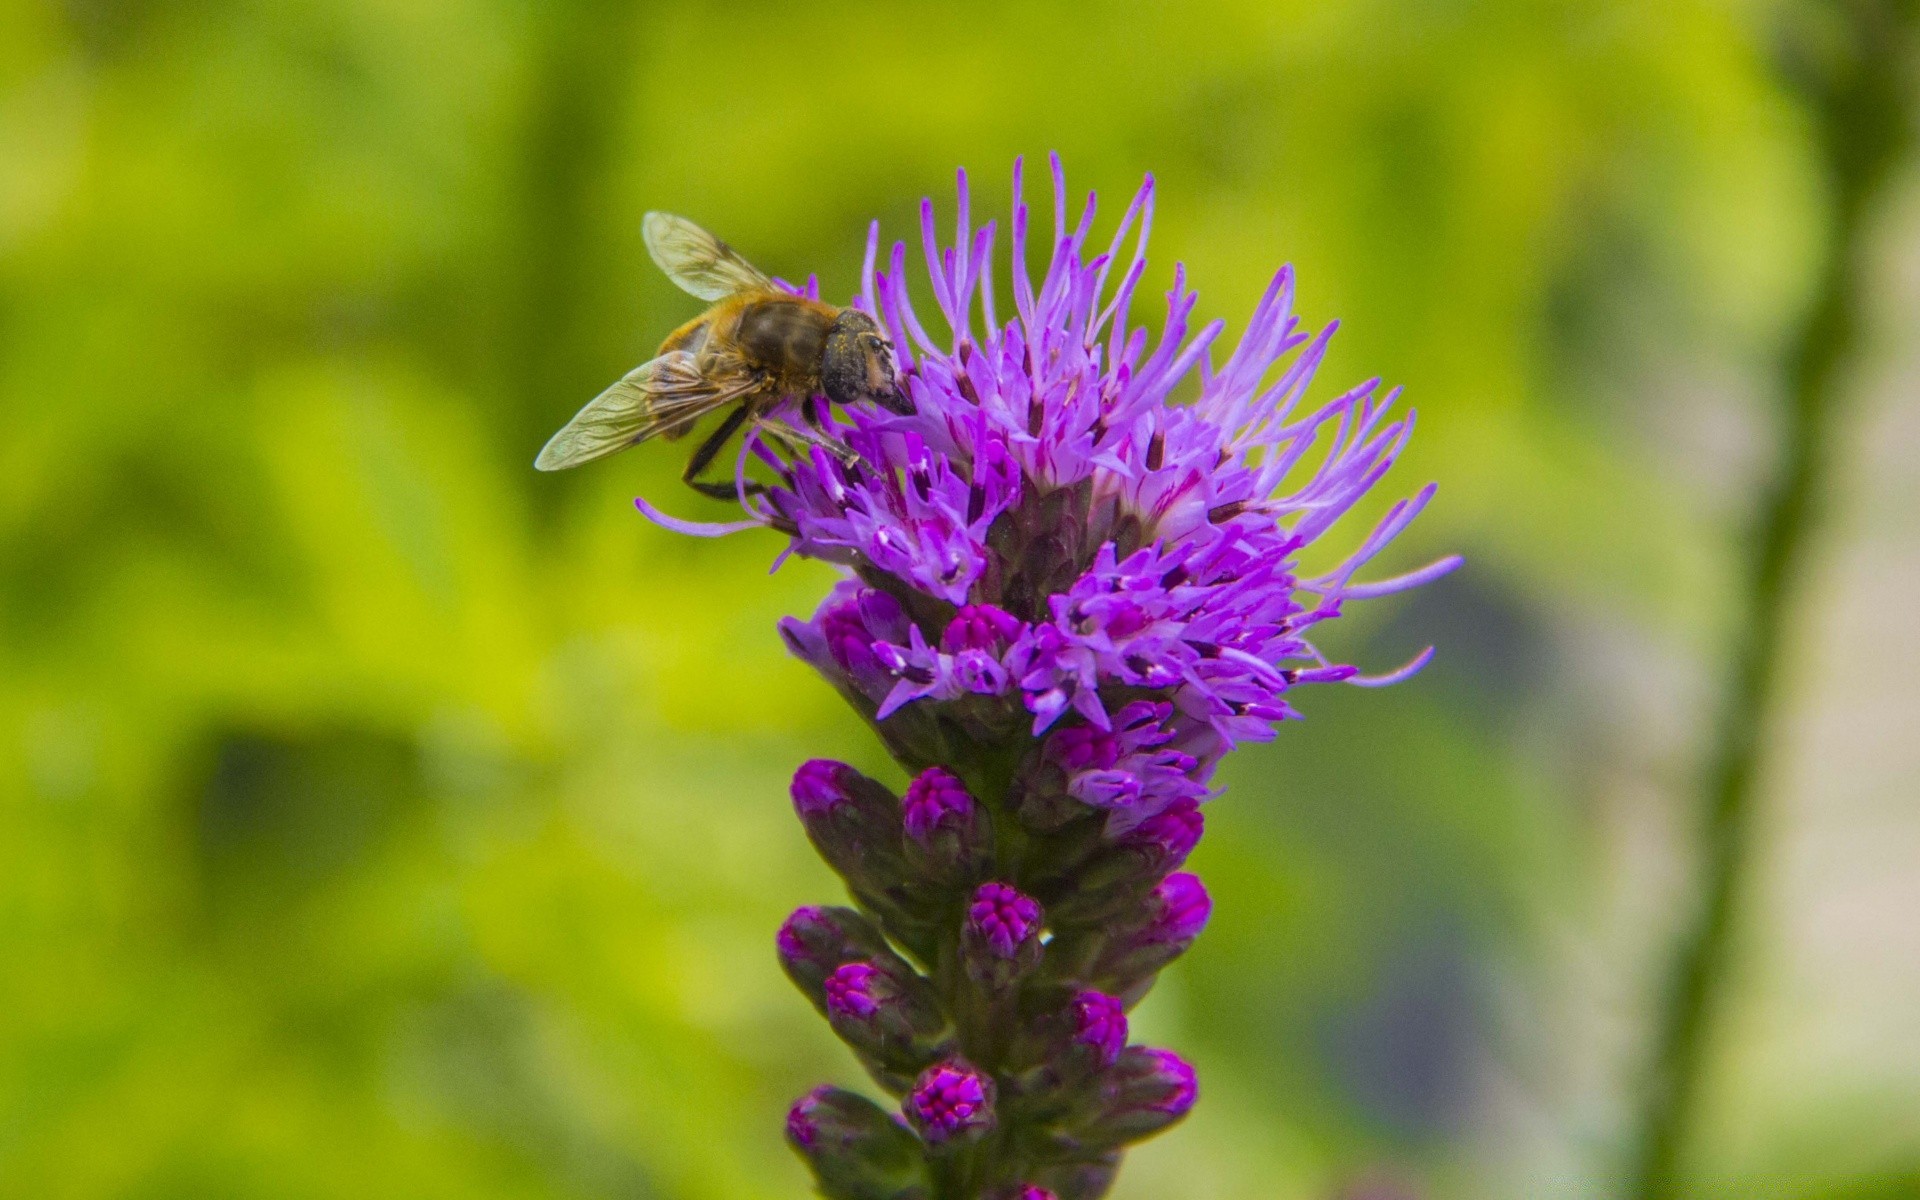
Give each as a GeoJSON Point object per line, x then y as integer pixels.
{"type": "Point", "coordinates": [698, 261]}
{"type": "Point", "coordinates": [658, 397]}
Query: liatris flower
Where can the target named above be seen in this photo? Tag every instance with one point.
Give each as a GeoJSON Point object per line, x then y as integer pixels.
{"type": "Point", "coordinates": [1067, 597]}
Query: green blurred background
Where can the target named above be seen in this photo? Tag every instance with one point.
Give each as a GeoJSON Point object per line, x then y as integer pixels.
{"type": "Point", "coordinates": [379, 818]}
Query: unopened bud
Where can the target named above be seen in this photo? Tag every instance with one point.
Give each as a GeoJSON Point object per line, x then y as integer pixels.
{"type": "Point", "coordinates": [887, 1014]}
{"type": "Point", "coordinates": [1099, 1027]}
{"type": "Point", "coordinates": [951, 1102]}
{"type": "Point", "coordinates": [1162, 842]}
{"type": "Point", "coordinates": [1000, 941]}
{"type": "Point", "coordinates": [1146, 1091]}
{"type": "Point", "coordinates": [853, 821]}
{"type": "Point", "coordinates": [856, 1149]}
{"type": "Point", "coordinates": [1176, 911]}
{"type": "Point", "coordinates": [947, 834]}
{"type": "Point", "coordinates": [816, 941]}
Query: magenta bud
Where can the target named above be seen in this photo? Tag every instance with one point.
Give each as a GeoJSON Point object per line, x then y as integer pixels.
{"type": "Point", "coordinates": [1164, 840]}
{"type": "Point", "coordinates": [1144, 1092]}
{"type": "Point", "coordinates": [947, 831]}
{"type": "Point", "coordinates": [981, 627]}
{"type": "Point", "coordinates": [1000, 941]}
{"type": "Point", "coordinates": [1180, 907]}
{"type": "Point", "coordinates": [856, 990]}
{"type": "Point", "coordinates": [951, 1101]}
{"type": "Point", "coordinates": [820, 786]}
{"type": "Point", "coordinates": [886, 1012]}
{"type": "Point", "coordinates": [854, 1147]}
{"type": "Point", "coordinates": [1099, 1026]}
{"type": "Point", "coordinates": [1176, 911]}
{"type": "Point", "coordinates": [854, 822]}
{"type": "Point", "coordinates": [1002, 919]}
{"type": "Point", "coordinates": [816, 941]}
{"type": "Point", "coordinates": [937, 801]}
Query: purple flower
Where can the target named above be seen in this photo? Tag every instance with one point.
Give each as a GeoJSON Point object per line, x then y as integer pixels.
{"type": "Point", "coordinates": [936, 800]}
{"type": "Point", "coordinates": [1002, 919]}
{"type": "Point", "coordinates": [1068, 587]}
{"type": "Point", "coordinates": [1092, 533]}
{"type": "Point", "coordinates": [855, 989]}
{"type": "Point", "coordinates": [1100, 1024]}
{"type": "Point", "coordinates": [949, 1100]}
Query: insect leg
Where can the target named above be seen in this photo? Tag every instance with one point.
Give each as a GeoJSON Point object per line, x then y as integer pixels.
{"type": "Point", "coordinates": [708, 451]}
{"type": "Point", "coordinates": [791, 436]}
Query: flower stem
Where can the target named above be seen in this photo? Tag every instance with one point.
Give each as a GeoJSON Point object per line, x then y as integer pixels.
{"type": "Point", "coordinates": [1862, 119]}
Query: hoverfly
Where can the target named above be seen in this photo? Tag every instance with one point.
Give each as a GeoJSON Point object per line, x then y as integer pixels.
{"type": "Point", "coordinates": [754, 349]}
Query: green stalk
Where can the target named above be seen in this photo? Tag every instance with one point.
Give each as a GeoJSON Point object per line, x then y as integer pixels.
{"type": "Point", "coordinates": [1859, 94]}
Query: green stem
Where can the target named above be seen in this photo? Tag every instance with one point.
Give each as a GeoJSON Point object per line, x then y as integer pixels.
{"type": "Point", "coordinates": [1861, 122]}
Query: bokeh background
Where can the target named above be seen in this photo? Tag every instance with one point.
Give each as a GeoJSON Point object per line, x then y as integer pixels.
{"type": "Point", "coordinates": [379, 818]}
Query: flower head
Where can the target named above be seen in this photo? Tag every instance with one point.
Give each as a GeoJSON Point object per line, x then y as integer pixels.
{"type": "Point", "coordinates": [1071, 529]}
{"type": "Point", "coordinates": [1064, 585]}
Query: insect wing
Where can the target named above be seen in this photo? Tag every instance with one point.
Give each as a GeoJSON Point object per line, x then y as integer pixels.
{"type": "Point", "coordinates": [698, 261]}
{"type": "Point", "coordinates": [656, 397]}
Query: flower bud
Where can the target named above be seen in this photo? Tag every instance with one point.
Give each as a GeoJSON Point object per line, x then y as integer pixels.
{"type": "Point", "coordinates": [1162, 842]}
{"type": "Point", "coordinates": [1146, 1091]}
{"type": "Point", "coordinates": [815, 941]}
{"type": "Point", "coordinates": [1022, 1191]}
{"type": "Point", "coordinates": [1176, 911]}
{"type": "Point", "coordinates": [1180, 906]}
{"type": "Point", "coordinates": [1000, 941]}
{"type": "Point", "coordinates": [947, 834]}
{"type": "Point", "coordinates": [951, 1102]}
{"type": "Point", "coordinates": [853, 822]}
{"type": "Point", "coordinates": [1118, 872]}
{"type": "Point", "coordinates": [889, 1015]}
{"type": "Point", "coordinates": [1099, 1027]}
{"type": "Point", "coordinates": [857, 1151]}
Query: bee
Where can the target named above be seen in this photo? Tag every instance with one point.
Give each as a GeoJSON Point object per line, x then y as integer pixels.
{"type": "Point", "coordinates": [756, 348]}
